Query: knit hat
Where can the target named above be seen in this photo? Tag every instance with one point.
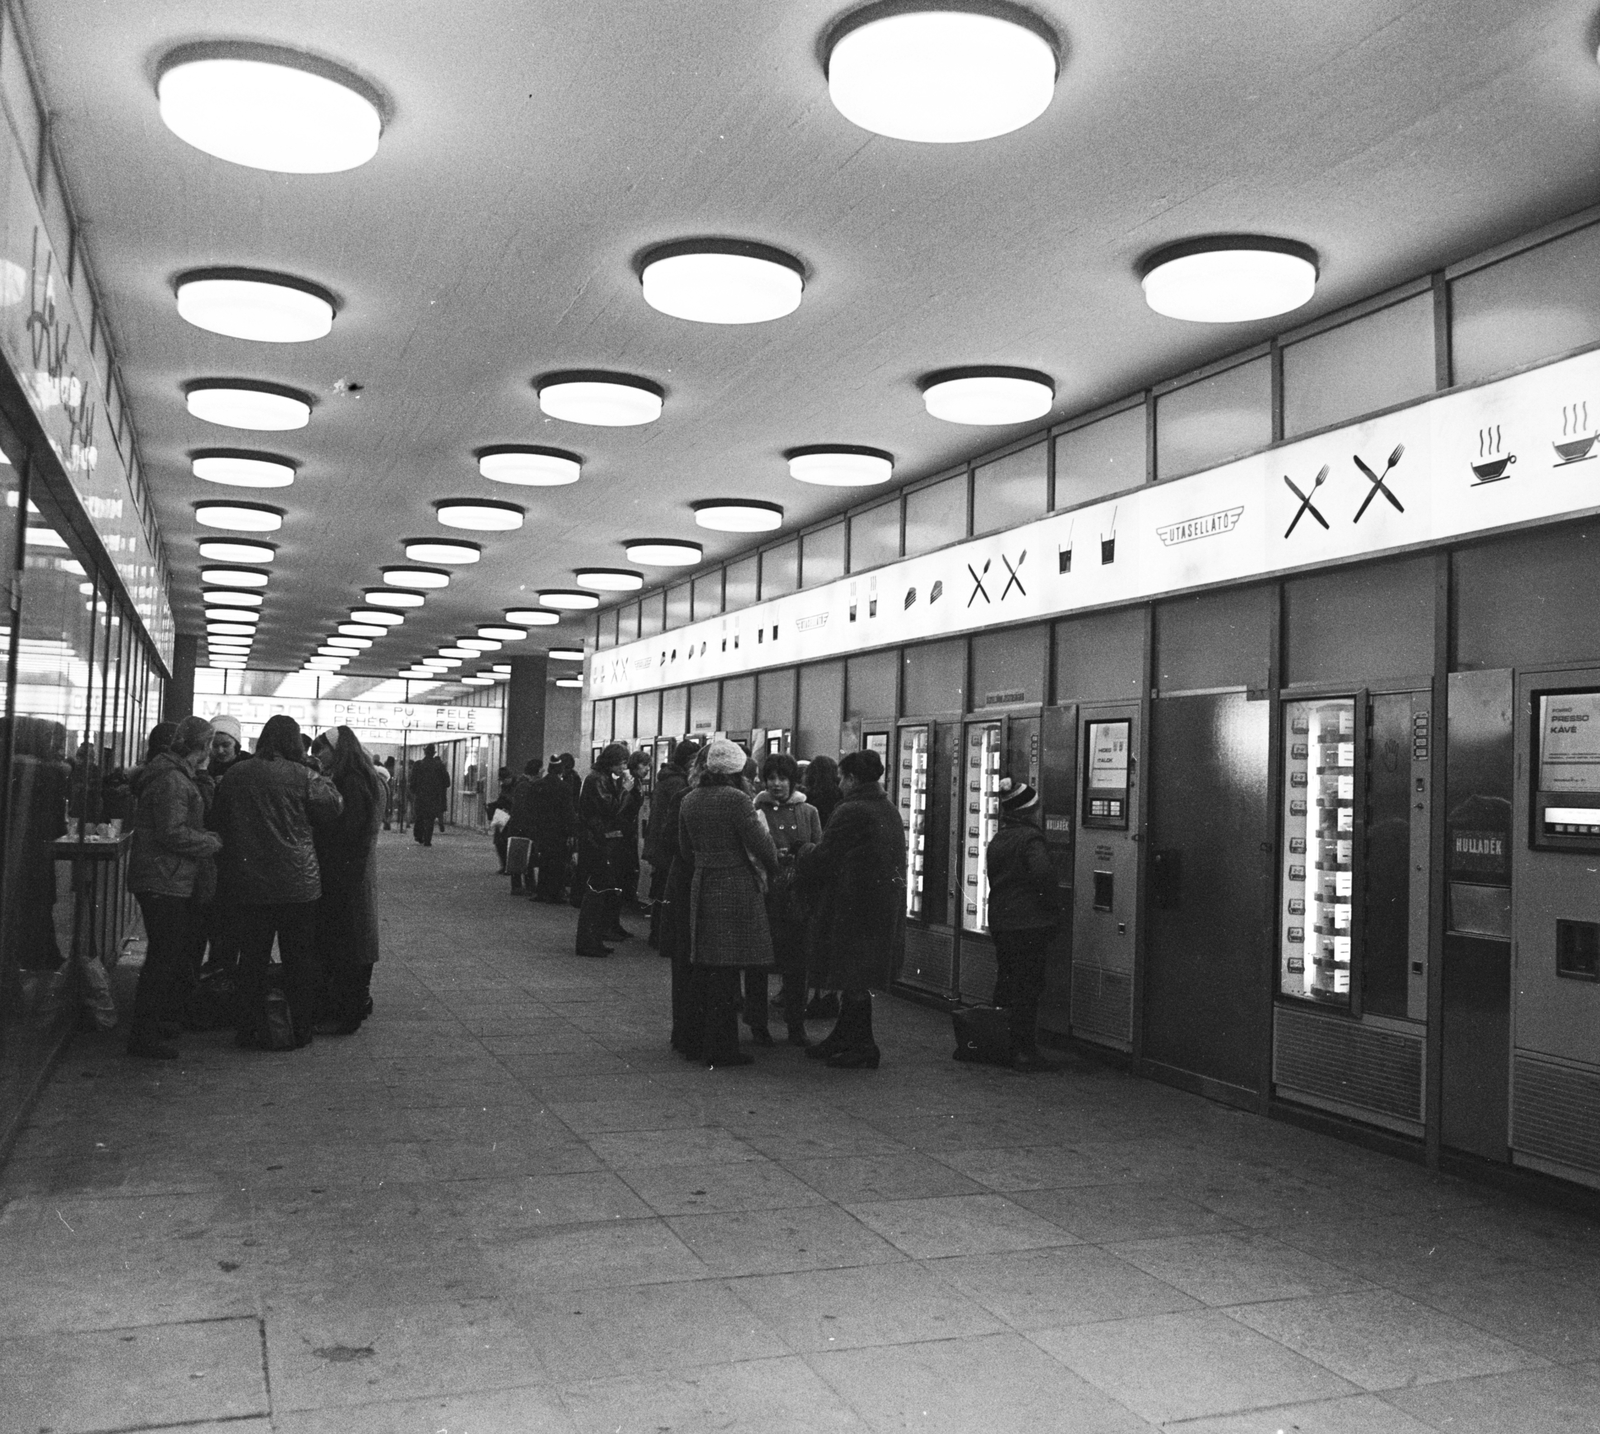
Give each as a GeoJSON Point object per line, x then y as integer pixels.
{"type": "Point", "coordinates": [1016, 796]}
{"type": "Point", "coordinates": [725, 757]}
{"type": "Point", "coordinates": [224, 723]}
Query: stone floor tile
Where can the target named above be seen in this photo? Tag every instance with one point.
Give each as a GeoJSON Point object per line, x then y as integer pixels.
{"type": "Point", "coordinates": [594, 1256]}
{"type": "Point", "coordinates": [764, 1396]}
{"type": "Point", "coordinates": [511, 1207]}
{"type": "Point", "coordinates": [900, 1303]}
{"type": "Point", "coordinates": [1378, 1339]}
{"type": "Point", "coordinates": [117, 1378]}
{"type": "Point", "coordinates": [530, 1410]}
{"type": "Point", "coordinates": [1105, 1213]}
{"type": "Point", "coordinates": [1182, 1366]}
{"type": "Point", "coordinates": [1232, 1269]}
{"type": "Point", "coordinates": [1356, 1414]}
{"type": "Point", "coordinates": [1535, 1401]}
{"type": "Point", "coordinates": [1073, 1284]}
{"type": "Point", "coordinates": [1552, 1312]}
{"type": "Point", "coordinates": [807, 1237]}
{"type": "Point", "coordinates": [964, 1386]}
{"type": "Point", "coordinates": [704, 1145]}
{"type": "Point", "coordinates": [691, 1190]}
{"type": "Point", "coordinates": [812, 1134]}
{"type": "Point", "coordinates": [899, 1176]}
{"type": "Point", "coordinates": [1037, 1167]}
{"type": "Point", "coordinates": [509, 1154]}
{"type": "Point", "coordinates": [959, 1225]}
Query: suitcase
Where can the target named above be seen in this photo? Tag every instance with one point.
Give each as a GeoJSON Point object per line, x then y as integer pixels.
{"type": "Point", "coordinates": [983, 1034]}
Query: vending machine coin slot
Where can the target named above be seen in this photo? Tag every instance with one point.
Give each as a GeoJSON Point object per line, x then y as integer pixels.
{"type": "Point", "coordinates": [1104, 890]}
{"type": "Point", "coordinates": [1578, 950]}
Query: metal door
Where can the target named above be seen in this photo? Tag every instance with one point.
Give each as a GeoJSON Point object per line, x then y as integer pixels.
{"type": "Point", "coordinates": [1208, 942]}
{"type": "Point", "coordinates": [1058, 792]}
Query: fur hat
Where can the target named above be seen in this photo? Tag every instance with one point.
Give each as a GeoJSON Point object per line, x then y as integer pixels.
{"type": "Point", "coordinates": [725, 757]}
{"type": "Point", "coordinates": [224, 723]}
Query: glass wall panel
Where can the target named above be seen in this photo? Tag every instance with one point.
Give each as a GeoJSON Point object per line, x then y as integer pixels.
{"type": "Point", "coordinates": [652, 614]}
{"type": "Point", "coordinates": [1206, 423]}
{"type": "Point", "coordinates": [1370, 363]}
{"type": "Point", "coordinates": [821, 710]}
{"type": "Point", "coordinates": [822, 555]}
{"type": "Point", "coordinates": [1011, 490]}
{"type": "Point", "coordinates": [628, 622]}
{"type": "Point", "coordinates": [875, 536]}
{"type": "Point", "coordinates": [936, 515]}
{"type": "Point", "coordinates": [680, 606]}
{"type": "Point", "coordinates": [707, 600]}
{"type": "Point", "coordinates": [780, 570]}
{"type": "Point", "coordinates": [739, 583]}
{"type": "Point", "coordinates": [675, 712]}
{"type": "Point", "coordinates": [1106, 456]}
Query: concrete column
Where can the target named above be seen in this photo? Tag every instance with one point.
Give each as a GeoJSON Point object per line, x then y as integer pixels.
{"type": "Point", "coordinates": [525, 695]}
{"type": "Point", "coordinates": [178, 700]}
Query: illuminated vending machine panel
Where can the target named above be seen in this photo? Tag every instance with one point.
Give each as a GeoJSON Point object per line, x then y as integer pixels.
{"type": "Point", "coordinates": [913, 798]}
{"type": "Point", "coordinates": [1319, 803]}
{"type": "Point", "coordinates": [981, 778]}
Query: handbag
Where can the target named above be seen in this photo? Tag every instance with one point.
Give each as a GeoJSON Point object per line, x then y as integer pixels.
{"type": "Point", "coordinates": [519, 851]}
{"type": "Point", "coordinates": [983, 1035]}
{"type": "Point", "coordinates": [272, 1028]}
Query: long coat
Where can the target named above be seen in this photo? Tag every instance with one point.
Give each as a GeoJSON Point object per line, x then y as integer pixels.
{"type": "Point", "coordinates": [795, 827]}
{"type": "Point", "coordinates": [430, 783]}
{"type": "Point", "coordinates": [719, 831]}
{"type": "Point", "coordinates": [347, 853]}
{"type": "Point", "coordinates": [855, 880]}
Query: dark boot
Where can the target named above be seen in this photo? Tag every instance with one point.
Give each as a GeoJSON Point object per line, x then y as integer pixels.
{"type": "Point", "coordinates": [835, 1040]}
{"type": "Point", "coordinates": [721, 995]}
{"type": "Point", "coordinates": [654, 938]}
{"type": "Point", "coordinates": [591, 924]}
{"type": "Point", "coordinates": [857, 1050]}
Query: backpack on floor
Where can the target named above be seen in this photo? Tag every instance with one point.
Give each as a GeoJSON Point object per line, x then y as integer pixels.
{"type": "Point", "coordinates": [983, 1034]}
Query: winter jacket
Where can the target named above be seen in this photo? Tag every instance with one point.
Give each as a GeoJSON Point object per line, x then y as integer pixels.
{"type": "Point", "coordinates": [347, 860]}
{"type": "Point", "coordinates": [719, 831]}
{"type": "Point", "coordinates": [602, 808]}
{"type": "Point", "coordinates": [265, 811]}
{"type": "Point", "coordinates": [552, 822]}
{"type": "Point", "coordinates": [661, 835]}
{"type": "Point", "coordinates": [1022, 883]}
{"type": "Point", "coordinates": [855, 881]}
{"type": "Point", "coordinates": [795, 827]}
{"type": "Point", "coordinates": [430, 781]}
{"type": "Point", "coordinates": [170, 839]}
{"type": "Point", "coordinates": [794, 823]}
{"type": "Point", "coordinates": [516, 800]}
{"type": "Point", "coordinates": [825, 800]}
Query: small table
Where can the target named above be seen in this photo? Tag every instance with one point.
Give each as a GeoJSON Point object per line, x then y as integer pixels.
{"type": "Point", "coordinates": [93, 861]}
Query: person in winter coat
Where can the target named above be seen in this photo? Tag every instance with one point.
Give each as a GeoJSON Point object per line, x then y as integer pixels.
{"type": "Point", "coordinates": [628, 848]}
{"type": "Point", "coordinates": [855, 880]}
{"type": "Point", "coordinates": [822, 786]}
{"type": "Point", "coordinates": [795, 828]}
{"type": "Point", "coordinates": [502, 803]}
{"type": "Point", "coordinates": [734, 858]}
{"type": "Point", "coordinates": [170, 841]}
{"type": "Point", "coordinates": [430, 784]}
{"type": "Point", "coordinates": [215, 938]}
{"type": "Point", "coordinates": [552, 825]}
{"type": "Point", "coordinates": [227, 746]}
{"type": "Point", "coordinates": [688, 1011]}
{"type": "Point", "coordinates": [661, 834]}
{"type": "Point", "coordinates": [1024, 913]}
{"type": "Point", "coordinates": [516, 801]}
{"type": "Point", "coordinates": [265, 812]}
{"type": "Point", "coordinates": [347, 858]}
{"type": "Point", "coordinates": [607, 801]}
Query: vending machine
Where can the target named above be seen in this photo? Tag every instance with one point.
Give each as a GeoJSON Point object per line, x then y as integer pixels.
{"type": "Point", "coordinates": [1555, 1058]}
{"type": "Point", "coordinates": [980, 818]}
{"type": "Point", "coordinates": [912, 801]}
{"type": "Point", "coordinates": [923, 784]}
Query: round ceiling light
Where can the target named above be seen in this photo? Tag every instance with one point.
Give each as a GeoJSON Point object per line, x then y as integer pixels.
{"type": "Point", "coordinates": [351, 644]}
{"type": "Point", "coordinates": [241, 517]}
{"type": "Point", "coordinates": [568, 598]}
{"type": "Point", "coordinates": [500, 632]}
{"type": "Point", "coordinates": [238, 644]}
{"type": "Point", "coordinates": [941, 73]}
{"type": "Point", "coordinates": [477, 681]}
{"type": "Point", "coordinates": [721, 281]}
{"type": "Point", "coordinates": [840, 465]}
{"type": "Point", "coordinates": [566, 654]}
{"type": "Point", "coordinates": [233, 577]}
{"type": "Point", "coordinates": [606, 400]}
{"type": "Point", "coordinates": [440, 664]}
{"type": "Point", "coordinates": [569, 682]}
{"type": "Point", "coordinates": [532, 617]}
{"type": "Point", "coordinates": [663, 552]}
{"type": "Point", "coordinates": [529, 467]}
{"type": "Point", "coordinates": [479, 644]}
{"type": "Point", "coordinates": [233, 615]}
{"type": "Point", "coordinates": [229, 629]}
{"type": "Point", "coordinates": [433, 550]}
{"type": "Point", "coordinates": [501, 669]}
{"type": "Point", "coordinates": [609, 580]}
{"type": "Point", "coordinates": [738, 515]}
{"type": "Point", "coordinates": [376, 616]}
{"type": "Point", "coordinates": [267, 108]}
{"type": "Point", "coordinates": [231, 597]}
{"type": "Point", "coordinates": [1229, 278]}
{"type": "Point", "coordinates": [458, 652]}
{"type": "Point", "coordinates": [238, 469]}
{"type": "Point", "coordinates": [481, 515]}
{"type": "Point", "coordinates": [244, 403]}
{"type": "Point", "coordinates": [361, 629]}
{"type": "Point", "coordinates": [988, 395]}
{"type": "Point", "coordinates": [415, 674]}
{"type": "Point", "coordinates": [420, 579]}
{"type": "Point", "coordinates": [236, 550]}
{"type": "Point", "coordinates": [229, 664]}
{"type": "Point", "coordinates": [392, 597]}
{"type": "Point", "coordinates": [253, 304]}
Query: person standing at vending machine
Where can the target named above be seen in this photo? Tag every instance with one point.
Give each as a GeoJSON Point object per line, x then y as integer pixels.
{"type": "Point", "coordinates": [1024, 913]}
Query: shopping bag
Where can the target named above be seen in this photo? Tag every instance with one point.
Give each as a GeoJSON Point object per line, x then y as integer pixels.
{"type": "Point", "coordinates": [983, 1034]}
{"type": "Point", "coordinates": [500, 820]}
{"type": "Point", "coordinates": [271, 1025]}
{"type": "Point", "coordinates": [519, 851]}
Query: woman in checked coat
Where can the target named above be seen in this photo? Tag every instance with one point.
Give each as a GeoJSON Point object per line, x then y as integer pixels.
{"type": "Point", "coordinates": [733, 858]}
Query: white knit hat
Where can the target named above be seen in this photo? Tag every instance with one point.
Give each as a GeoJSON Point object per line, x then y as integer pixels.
{"type": "Point", "coordinates": [222, 722]}
{"type": "Point", "coordinates": [725, 756]}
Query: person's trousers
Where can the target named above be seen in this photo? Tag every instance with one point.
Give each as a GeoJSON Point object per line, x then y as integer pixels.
{"type": "Point", "coordinates": [552, 864]}
{"type": "Point", "coordinates": [349, 994]}
{"type": "Point", "coordinates": [500, 840]}
{"type": "Point", "coordinates": [294, 923]}
{"type": "Point", "coordinates": [755, 997]}
{"type": "Point", "coordinates": [422, 828]}
{"type": "Point", "coordinates": [167, 963]}
{"type": "Point", "coordinates": [658, 892]}
{"type": "Point", "coordinates": [1019, 958]}
{"type": "Point", "coordinates": [717, 996]}
{"type": "Point", "coordinates": [594, 921]}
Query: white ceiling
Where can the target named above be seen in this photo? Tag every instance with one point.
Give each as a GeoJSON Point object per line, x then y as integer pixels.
{"type": "Point", "coordinates": [536, 148]}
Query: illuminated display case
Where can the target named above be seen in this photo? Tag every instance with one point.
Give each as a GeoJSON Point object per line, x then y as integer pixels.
{"type": "Point", "coordinates": [981, 820]}
{"type": "Point", "coordinates": [913, 801]}
{"type": "Point", "coordinates": [1318, 922]}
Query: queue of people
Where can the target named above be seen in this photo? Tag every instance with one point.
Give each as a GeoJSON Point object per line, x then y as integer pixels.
{"type": "Point", "coordinates": [234, 853]}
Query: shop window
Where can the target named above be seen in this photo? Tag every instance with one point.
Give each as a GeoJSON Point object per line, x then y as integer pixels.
{"type": "Point", "coordinates": [875, 536]}
{"type": "Point", "coordinates": [775, 693]}
{"type": "Point", "coordinates": [780, 570]}
{"type": "Point", "coordinates": [870, 682]}
{"type": "Point", "coordinates": [1370, 363]}
{"type": "Point", "coordinates": [1206, 423]}
{"type": "Point", "coordinates": [1106, 456]}
{"type": "Point", "coordinates": [707, 600]}
{"type": "Point", "coordinates": [1100, 657]}
{"type": "Point", "coordinates": [1011, 490]}
{"type": "Point", "coordinates": [1214, 640]}
{"type": "Point", "coordinates": [936, 515]}
{"type": "Point", "coordinates": [1008, 667]}
{"type": "Point", "coordinates": [739, 583]}
{"type": "Point", "coordinates": [1534, 305]}
{"type": "Point", "coordinates": [680, 606]}
{"type": "Point", "coordinates": [822, 556]}
{"type": "Point", "coordinates": [821, 709]}
{"type": "Point", "coordinates": [934, 678]}
{"type": "Point", "coordinates": [1367, 624]}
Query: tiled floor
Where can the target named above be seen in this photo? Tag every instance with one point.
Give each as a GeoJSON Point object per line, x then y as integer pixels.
{"type": "Point", "coordinates": [505, 1206]}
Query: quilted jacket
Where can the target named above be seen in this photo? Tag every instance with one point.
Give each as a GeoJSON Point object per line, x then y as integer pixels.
{"type": "Point", "coordinates": [170, 839]}
{"type": "Point", "coordinates": [265, 810]}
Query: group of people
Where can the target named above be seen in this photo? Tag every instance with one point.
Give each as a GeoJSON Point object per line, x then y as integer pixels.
{"type": "Point", "coordinates": [754, 873]}
{"type": "Point", "coordinates": [233, 853]}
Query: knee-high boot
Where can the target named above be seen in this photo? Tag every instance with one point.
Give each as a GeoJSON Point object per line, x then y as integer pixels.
{"type": "Point", "coordinates": [592, 924]}
{"type": "Point", "coordinates": [857, 1050]}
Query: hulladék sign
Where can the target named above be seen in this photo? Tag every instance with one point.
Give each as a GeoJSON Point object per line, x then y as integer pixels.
{"type": "Point", "coordinates": [1504, 455]}
{"type": "Point", "coordinates": [377, 721]}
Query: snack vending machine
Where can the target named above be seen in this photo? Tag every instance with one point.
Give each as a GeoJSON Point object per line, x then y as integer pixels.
{"type": "Point", "coordinates": [911, 796]}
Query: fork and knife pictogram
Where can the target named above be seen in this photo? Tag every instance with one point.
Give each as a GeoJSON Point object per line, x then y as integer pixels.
{"type": "Point", "coordinates": [1306, 505]}
{"type": "Point", "coordinates": [1378, 485]}
{"type": "Point", "coordinates": [1015, 578]}
{"type": "Point", "coordinates": [977, 582]}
